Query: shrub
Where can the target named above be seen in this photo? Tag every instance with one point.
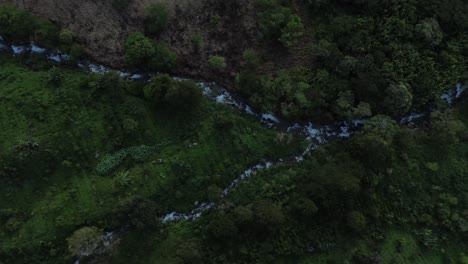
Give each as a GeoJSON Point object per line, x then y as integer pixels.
{"type": "Point", "coordinates": [429, 31]}
{"type": "Point", "coordinates": [272, 18]}
{"type": "Point", "coordinates": [356, 221]}
{"type": "Point", "coordinates": [54, 76]}
{"type": "Point", "coordinates": [140, 153]}
{"type": "Point", "coordinates": [76, 51]}
{"type": "Point", "coordinates": [184, 95]}
{"type": "Point", "coordinates": [217, 63]}
{"type": "Point", "coordinates": [139, 49]}
{"type": "Point", "coordinates": [47, 33]}
{"type": "Point", "coordinates": [85, 241]}
{"type": "Point", "coordinates": [66, 37]}
{"type": "Point", "coordinates": [197, 41]}
{"type": "Point", "coordinates": [156, 90]}
{"type": "Point", "coordinates": [293, 30]}
{"type": "Point", "coordinates": [16, 24]}
{"type": "Point", "coordinates": [250, 59]}
{"type": "Point", "coordinates": [110, 162]}
{"type": "Point", "coordinates": [398, 100]}
{"type": "Point", "coordinates": [157, 17]}
{"type": "Point", "coordinates": [215, 20]}
{"type": "Point", "coordinates": [163, 58]}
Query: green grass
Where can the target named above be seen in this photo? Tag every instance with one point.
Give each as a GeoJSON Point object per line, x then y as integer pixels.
{"type": "Point", "coordinates": [48, 205]}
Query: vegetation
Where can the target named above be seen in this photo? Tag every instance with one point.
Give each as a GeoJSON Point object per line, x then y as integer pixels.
{"type": "Point", "coordinates": [157, 17]}
{"type": "Point", "coordinates": [217, 63]}
{"type": "Point", "coordinates": [377, 54]}
{"type": "Point", "coordinates": [143, 52]}
{"type": "Point", "coordinates": [85, 154]}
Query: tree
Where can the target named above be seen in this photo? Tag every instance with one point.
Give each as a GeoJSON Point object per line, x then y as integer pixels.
{"type": "Point", "coordinates": [222, 226]}
{"type": "Point", "coordinates": [398, 100]}
{"type": "Point", "coordinates": [214, 193]}
{"type": "Point", "coordinates": [382, 127]}
{"type": "Point", "coordinates": [156, 90]}
{"type": "Point", "coordinates": [66, 37]}
{"type": "Point", "coordinates": [347, 66]}
{"type": "Point", "coordinates": [163, 59]}
{"type": "Point", "coordinates": [305, 206]}
{"type": "Point", "coordinates": [217, 63]}
{"type": "Point", "coordinates": [157, 17]}
{"type": "Point", "coordinates": [139, 49]}
{"type": "Point", "coordinates": [55, 76]}
{"type": "Point", "coordinates": [356, 221]}
{"type": "Point", "coordinates": [293, 30]}
{"type": "Point", "coordinates": [16, 24]}
{"type": "Point", "coordinates": [429, 31]}
{"type": "Point", "coordinates": [268, 214]}
{"type": "Point", "coordinates": [250, 59]}
{"type": "Point", "coordinates": [272, 18]}
{"type": "Point", "coordinates": [184, 95]}
{"type": "Point", "coordinates": [189, 251]}
{"type": "Point", "coordinates": [85, 241]}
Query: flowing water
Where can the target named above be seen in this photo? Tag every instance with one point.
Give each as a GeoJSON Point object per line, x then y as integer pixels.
{"type": "Point", "coordinates": [315, 134]}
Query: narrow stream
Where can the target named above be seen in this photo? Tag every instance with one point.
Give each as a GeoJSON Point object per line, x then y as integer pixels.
{"type": "Point", "coordinates": [314, 134]}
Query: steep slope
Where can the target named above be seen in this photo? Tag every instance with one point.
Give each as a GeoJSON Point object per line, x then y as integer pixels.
{"type": "Point", "coordinates": [103, 30]}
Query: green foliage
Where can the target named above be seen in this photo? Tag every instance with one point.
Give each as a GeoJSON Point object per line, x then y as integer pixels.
{"type": "Point", "coordinates": [139, 49]}
{"type": "Point", "coordinates": [217, 63]}
{"type": "Point", "coordinates": [66, 37]}
{"type": "Point", "coordinates": [184, 95]}
{"type": "Point", "coordinates": [75, 125]}
{"type": "Point", "coordinates": [16, 24]}
{"type": "Point", "coordinates": [251, 59]}
{"type": "Point", "coordinates": [178, 95]}
{"type": "Point", "coordinates": [398, 100]}
{"type": "Point", "coordinates": [197, 41]}
{"type": "Point", "coordinates": [272, 18]}
{"type": "Point", "coordinates": [155, 56]}
{"type": "Point", "coordinates": [429, 31]}
{"type": "Point", "coordinates": [157, 18]}
{"type": "Point", "coordinates": [293, 30]}
{"type": "Point", "coordinates": [110, 162]}
{"type": "Point", "coordinates": [85, 241]}
{"type": "Point", "coordinates": [55, 76]}
{"type": "Point", "coordinates": [163, 59]}
{"type": "Point", "coordinates": [356, 221]}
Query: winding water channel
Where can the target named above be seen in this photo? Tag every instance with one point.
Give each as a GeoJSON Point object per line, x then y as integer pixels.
{"type": "Point", "coordinates": [314, 134]}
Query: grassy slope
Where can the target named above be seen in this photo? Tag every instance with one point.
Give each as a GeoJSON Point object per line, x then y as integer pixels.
{"type": "Point", "coordinates": [45, 207]}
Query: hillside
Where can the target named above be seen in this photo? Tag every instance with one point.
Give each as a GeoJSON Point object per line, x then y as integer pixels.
{"type": "Point", "coordinates": [250, 131]}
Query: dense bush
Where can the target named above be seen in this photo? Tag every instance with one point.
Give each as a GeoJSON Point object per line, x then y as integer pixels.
{"type": "Point", "coordinates": [16, 24]}
{"type": "Point", "coordinates": [110, 162]}
{"type": "Point", "coordinates": [272, 18]}
{"type": "Point", "coordinates": [360, 47]}
{"type": "Point", "coordinates": [217, 63]}
{"type": "Point", "coordinates": [157, 17]}
{"type": "Point", "coordinates": [66, 37]}
{"type": "Point", "coordinates": [86, 241]}
{"type": "Point", "coordinates": [139, 49]}
{"type": "Point", "coordinates": [163, 59]}
{"type": "Point", "coordinates": [293, 30]}
{"type": "Point", "coordinates": [55, 76]}
{"type": "Point", "coordinates": [178, 95]}
{"type": "Point", "coordinates": [142, 52]}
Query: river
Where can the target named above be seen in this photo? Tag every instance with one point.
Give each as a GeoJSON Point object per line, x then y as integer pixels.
{"type": "Point", "coordinates": [314, 134]}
